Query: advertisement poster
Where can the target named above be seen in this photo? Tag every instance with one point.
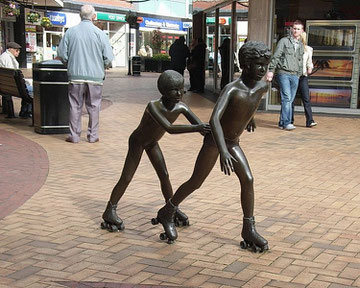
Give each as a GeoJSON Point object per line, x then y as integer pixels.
{"type": "Point", "coordinates": [30, 39]}
{"type": "Point", "coordinates": [332, 68]}
{"type": "Point", "coordinates": [326, 96]}
{"type": "Point", "coordinates": [335, 38]}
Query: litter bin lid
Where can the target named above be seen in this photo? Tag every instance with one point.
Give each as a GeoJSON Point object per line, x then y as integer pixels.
{"type": "Point", "coordinates": [57, 64]}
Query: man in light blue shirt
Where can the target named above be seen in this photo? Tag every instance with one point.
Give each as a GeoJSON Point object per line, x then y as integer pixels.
{"type": "Point", "coordinates": [86, 51]}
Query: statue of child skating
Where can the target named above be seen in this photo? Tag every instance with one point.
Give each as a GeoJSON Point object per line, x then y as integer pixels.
{"type": "Point", "coordinates": [232, 114]}
{"type": "Point", "coordinates": [157, 119]}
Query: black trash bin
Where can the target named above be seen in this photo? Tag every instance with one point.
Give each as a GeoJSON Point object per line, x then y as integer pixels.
{"type": "Point", "coordinates": [51, 102]}
{"type": "Point", "coordinates": [136, 65]}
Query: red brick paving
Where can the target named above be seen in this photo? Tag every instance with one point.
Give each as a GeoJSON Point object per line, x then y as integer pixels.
{"type": "Point", "coordinates": [307, 205]}
{"type": "Point", "coordinates": [24, 166]}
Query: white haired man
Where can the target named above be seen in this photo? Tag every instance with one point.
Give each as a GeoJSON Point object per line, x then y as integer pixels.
{"type": "Point", "coordinates": [87, 52]}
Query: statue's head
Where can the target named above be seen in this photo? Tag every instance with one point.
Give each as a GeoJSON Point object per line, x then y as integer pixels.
{"type": "Point", "coordinates": [171, 85]}
{"type": "Point", "coordinates": [254, 59]}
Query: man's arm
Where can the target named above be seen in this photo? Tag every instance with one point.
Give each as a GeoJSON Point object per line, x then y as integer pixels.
{"type": "Point", "coordinates": [154, 110]}
{"type": "Point", "coordinates": [108, 55]}
{"type": "Point", "coordinates": [62, 50]}
{"type": "Point", "coordinates": [275, 59]}
{"type": "Point", "coordinates": [218, 134]}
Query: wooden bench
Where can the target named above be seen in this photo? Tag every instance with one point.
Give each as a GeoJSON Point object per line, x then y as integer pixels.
{"type": "Point", "coordinates": [12, 84]}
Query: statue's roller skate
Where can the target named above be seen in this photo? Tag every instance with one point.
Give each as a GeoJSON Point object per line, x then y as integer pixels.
{"type": "Point", "coordinates": [166, 216]}
{"type": "Point", "coordinates": [252, 239]}
{"type": "Point", "coordinates": [181, 219]}
{"type": "Point", "coordinates": [112, 222]}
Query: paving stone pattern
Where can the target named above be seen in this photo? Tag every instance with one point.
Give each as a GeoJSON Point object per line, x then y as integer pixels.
{"type": "Point", "coordinates": [307, 187]}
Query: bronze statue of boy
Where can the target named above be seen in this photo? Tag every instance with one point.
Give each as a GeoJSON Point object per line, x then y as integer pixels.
{"type": "Point", "coordinates": [157, 119]}
{"type": "Point", "coordinates": [232, 114]}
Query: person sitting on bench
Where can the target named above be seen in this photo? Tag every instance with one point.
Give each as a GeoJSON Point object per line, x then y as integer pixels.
{"type": "Point", "coordinates": [8, 60]}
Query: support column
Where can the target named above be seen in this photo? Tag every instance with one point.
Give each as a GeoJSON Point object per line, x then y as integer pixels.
{"type": "Point", "coordinates": [260, 28]}
{"type": "Point", "coordinates": [260, 20]}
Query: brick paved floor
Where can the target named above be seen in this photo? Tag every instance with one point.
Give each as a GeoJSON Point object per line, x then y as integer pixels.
{"type": "Point", "coordinates": [307, 186]}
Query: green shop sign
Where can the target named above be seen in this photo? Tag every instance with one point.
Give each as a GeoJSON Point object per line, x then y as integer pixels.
{"type": "Point", "coordinates": [222, 20]}
{"type": "Point", "coordinates": [110, 17]}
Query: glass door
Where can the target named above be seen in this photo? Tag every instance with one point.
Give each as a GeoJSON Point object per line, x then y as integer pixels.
{"type": "Point", "coordinates": [51, 40]}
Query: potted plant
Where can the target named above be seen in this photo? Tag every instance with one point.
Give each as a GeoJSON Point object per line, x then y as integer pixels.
{"type": "Point", "coordinates": [158, 63]}
{"type": "Point", "coordinates": [11, 9]}
{"type": "Point", "coordinates": [45, 22]}
{"type": "Point", "coordinates": [32, 17]}
{"type": "Point", "coordinates": [131, 18]}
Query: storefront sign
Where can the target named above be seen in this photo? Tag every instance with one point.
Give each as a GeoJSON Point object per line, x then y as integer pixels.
{"type": "Point", "coordinates": [222, 20]}
{"type": "Point", "coordinates": [161, 24]}
{"type": "Point", "coordinates": [110, 17]}
{"type": "Point", "coordinates": [56, 18]}
{"type": "Point", "coordinates": [187, 25]}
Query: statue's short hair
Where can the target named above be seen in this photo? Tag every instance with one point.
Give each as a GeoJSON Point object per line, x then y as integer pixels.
{"type": "Point", "coordinates": [166, 78]}
{"type": "Point", "coordinates": [253, 50]}
{"type": "Point", "coordinates": [87, 12]}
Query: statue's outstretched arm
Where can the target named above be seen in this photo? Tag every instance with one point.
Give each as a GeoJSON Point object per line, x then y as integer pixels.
{"type": "Point", "coordinates": [169, 127]}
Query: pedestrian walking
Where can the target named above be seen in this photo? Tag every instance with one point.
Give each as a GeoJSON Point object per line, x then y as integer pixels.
{"type": "Point", "coordinates": [197, 66]}
{"type": "Point", "coordinates": [86, 51]}
{"type": "Point", "coordinates": [225, 62]}
{"type": "Point", "coordinates": [303, 88]}
{"type": "Point", "coordinates": [179, 52]}
{"type": "Point", "coordinates": [287, 63]}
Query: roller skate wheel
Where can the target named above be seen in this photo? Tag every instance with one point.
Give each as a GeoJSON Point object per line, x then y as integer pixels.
{"type": "Point", "coordinates": [243, 245]}
{"type": "Point", "coordinates": [121, 227]}
{"type": "Point", "coordinates": [113, 228]}
{"type": "Point", "coordinates": [264, 248]}
{"type": "Point", "coordinates": [186, 223]}
{"type": "Point", "coordinates": [256, 249]}
{"type": "Point", "coordinates": [103, 225]}
{"type": "Point", "coordinates": [170, 241]}
{"type": "Point", "coordinates": [163, 236]}
{"type": "Point", "coordinates": [154, 221]}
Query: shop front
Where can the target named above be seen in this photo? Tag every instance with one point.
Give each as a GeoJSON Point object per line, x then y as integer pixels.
{"type": "Point", "coordinates": [6, 27]}
{"type": "Point", "coordinates": [170, 31]}
{"type": "Point", "coordinates": [43, 33]}
{"type": "Point", "coordinates": [114, 25]}
{"type": "Point", "coordinates": [43, 36]}
{"type": "Point", "coordinates": [333, 30]}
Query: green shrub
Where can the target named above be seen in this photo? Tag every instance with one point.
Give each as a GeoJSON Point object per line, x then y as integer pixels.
{"type": "Point", "coordinates": [161, 57]}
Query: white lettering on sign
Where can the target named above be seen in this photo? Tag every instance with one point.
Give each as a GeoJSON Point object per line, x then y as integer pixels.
{"type": "Point", "coordinates": [163, 24]}
{"type": "Point", "coordinates": [57, 18]}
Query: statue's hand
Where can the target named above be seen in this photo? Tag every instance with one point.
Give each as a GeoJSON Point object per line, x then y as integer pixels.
{"type": "Point", "coordinates": [226, 163]}
{"type": "Point", "coordinates": [251, 126]}
{"type": "Point", "coordinates": [205, 128]}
